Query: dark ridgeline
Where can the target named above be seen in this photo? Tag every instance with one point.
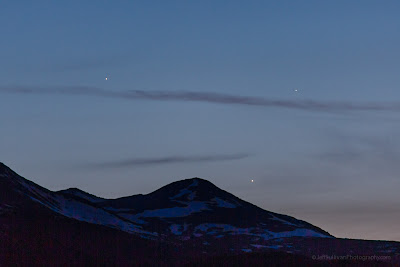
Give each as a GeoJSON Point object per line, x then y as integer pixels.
{"type": "Point", "coordinates": [186, 223]}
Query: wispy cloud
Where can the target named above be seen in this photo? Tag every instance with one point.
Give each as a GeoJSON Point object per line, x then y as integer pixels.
{"type": "Point", "coordinates": [142, 162]}
{"type": "Point", "coordinates": [350, 148]}
{"type": "Point", "coordinates": [209, 97]}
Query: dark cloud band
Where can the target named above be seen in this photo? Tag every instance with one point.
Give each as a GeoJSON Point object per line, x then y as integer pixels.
{"type": "Point", "coordinates": [137, 162]}
{"type": "Point", "coordinates": [208, 97]}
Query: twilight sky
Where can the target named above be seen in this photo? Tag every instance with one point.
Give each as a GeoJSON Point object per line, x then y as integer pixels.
{"type": "Point", "coordinates": [207, 89]}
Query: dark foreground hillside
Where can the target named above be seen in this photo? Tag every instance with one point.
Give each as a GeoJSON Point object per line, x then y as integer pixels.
{"type": "Point", "coordinates": [186, 223]}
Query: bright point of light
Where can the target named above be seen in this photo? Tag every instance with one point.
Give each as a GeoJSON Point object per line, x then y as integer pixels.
{"type": "Point", "coordinates": [252, 181]}
{"type": "Point", "coordinates": [106, 78]}
{"type": "Point", "coordinates": [295, 90]}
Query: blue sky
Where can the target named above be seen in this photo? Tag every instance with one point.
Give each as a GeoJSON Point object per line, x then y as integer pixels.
{"type": "Point", "coordinates": [334, 167]}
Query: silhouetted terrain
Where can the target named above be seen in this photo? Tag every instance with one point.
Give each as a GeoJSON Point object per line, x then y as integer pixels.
{"type": "Point", "coordinates": [186, 223]}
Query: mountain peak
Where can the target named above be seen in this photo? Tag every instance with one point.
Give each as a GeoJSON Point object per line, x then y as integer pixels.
{"type": "Point", "coordinates": [177, 193]}
{"type": "Point", "coordinates": [71, 190]}
{"type": "Point", "coordinates": [188, 189]}
{"type": "Point", "coordinates": [193, 216]}
{"type": "Point", "coordinates": [81, 194]}
{"type": "Point", "coordinates": [190, 182]}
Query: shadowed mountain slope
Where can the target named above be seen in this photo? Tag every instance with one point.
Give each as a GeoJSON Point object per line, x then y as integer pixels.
{"type": "Point", "coordinates": [185, 222]}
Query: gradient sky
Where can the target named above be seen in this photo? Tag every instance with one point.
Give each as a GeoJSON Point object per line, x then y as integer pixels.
{"type": "Point", "coordinates": [207, 89]}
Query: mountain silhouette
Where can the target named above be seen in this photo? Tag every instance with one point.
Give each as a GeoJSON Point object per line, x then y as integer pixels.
{"type": "Point", "coordinates": [191, 217]}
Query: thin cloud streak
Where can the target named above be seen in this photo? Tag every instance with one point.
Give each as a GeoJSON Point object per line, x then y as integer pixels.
{"type": "Point", "coordinates": [142, 162]}
{"type": "Point", "coordinates": [208, 97]}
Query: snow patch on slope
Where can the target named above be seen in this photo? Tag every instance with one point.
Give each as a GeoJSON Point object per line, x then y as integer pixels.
{"type": "Point", "coordinates": [252, 231]}
{"type": "Point", "coordinates": [178, 229]}
{"type": "Point", "coordinates": [223, 204]}
{"type": "Point", "coordinates": [117, 209]}
{"type": "Point", "coordinates": [80, 211]}
{"type": "Point", "coordinates": [182, 193]}
{"type": "Point", "coordinates": [262, 246]}
{"type": "Point", "coordinates": [282, 221]}
{"type": "Point", "coordinates": [258, 246]}
{"type": "Point", "coordinates": [186, 191]}
{"type": "Point", "coordinates": [132, 217]}
{"type": "Point", "coordinates": [297, 232]}
{"type": "Point", "coordinates": [192, 207]}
